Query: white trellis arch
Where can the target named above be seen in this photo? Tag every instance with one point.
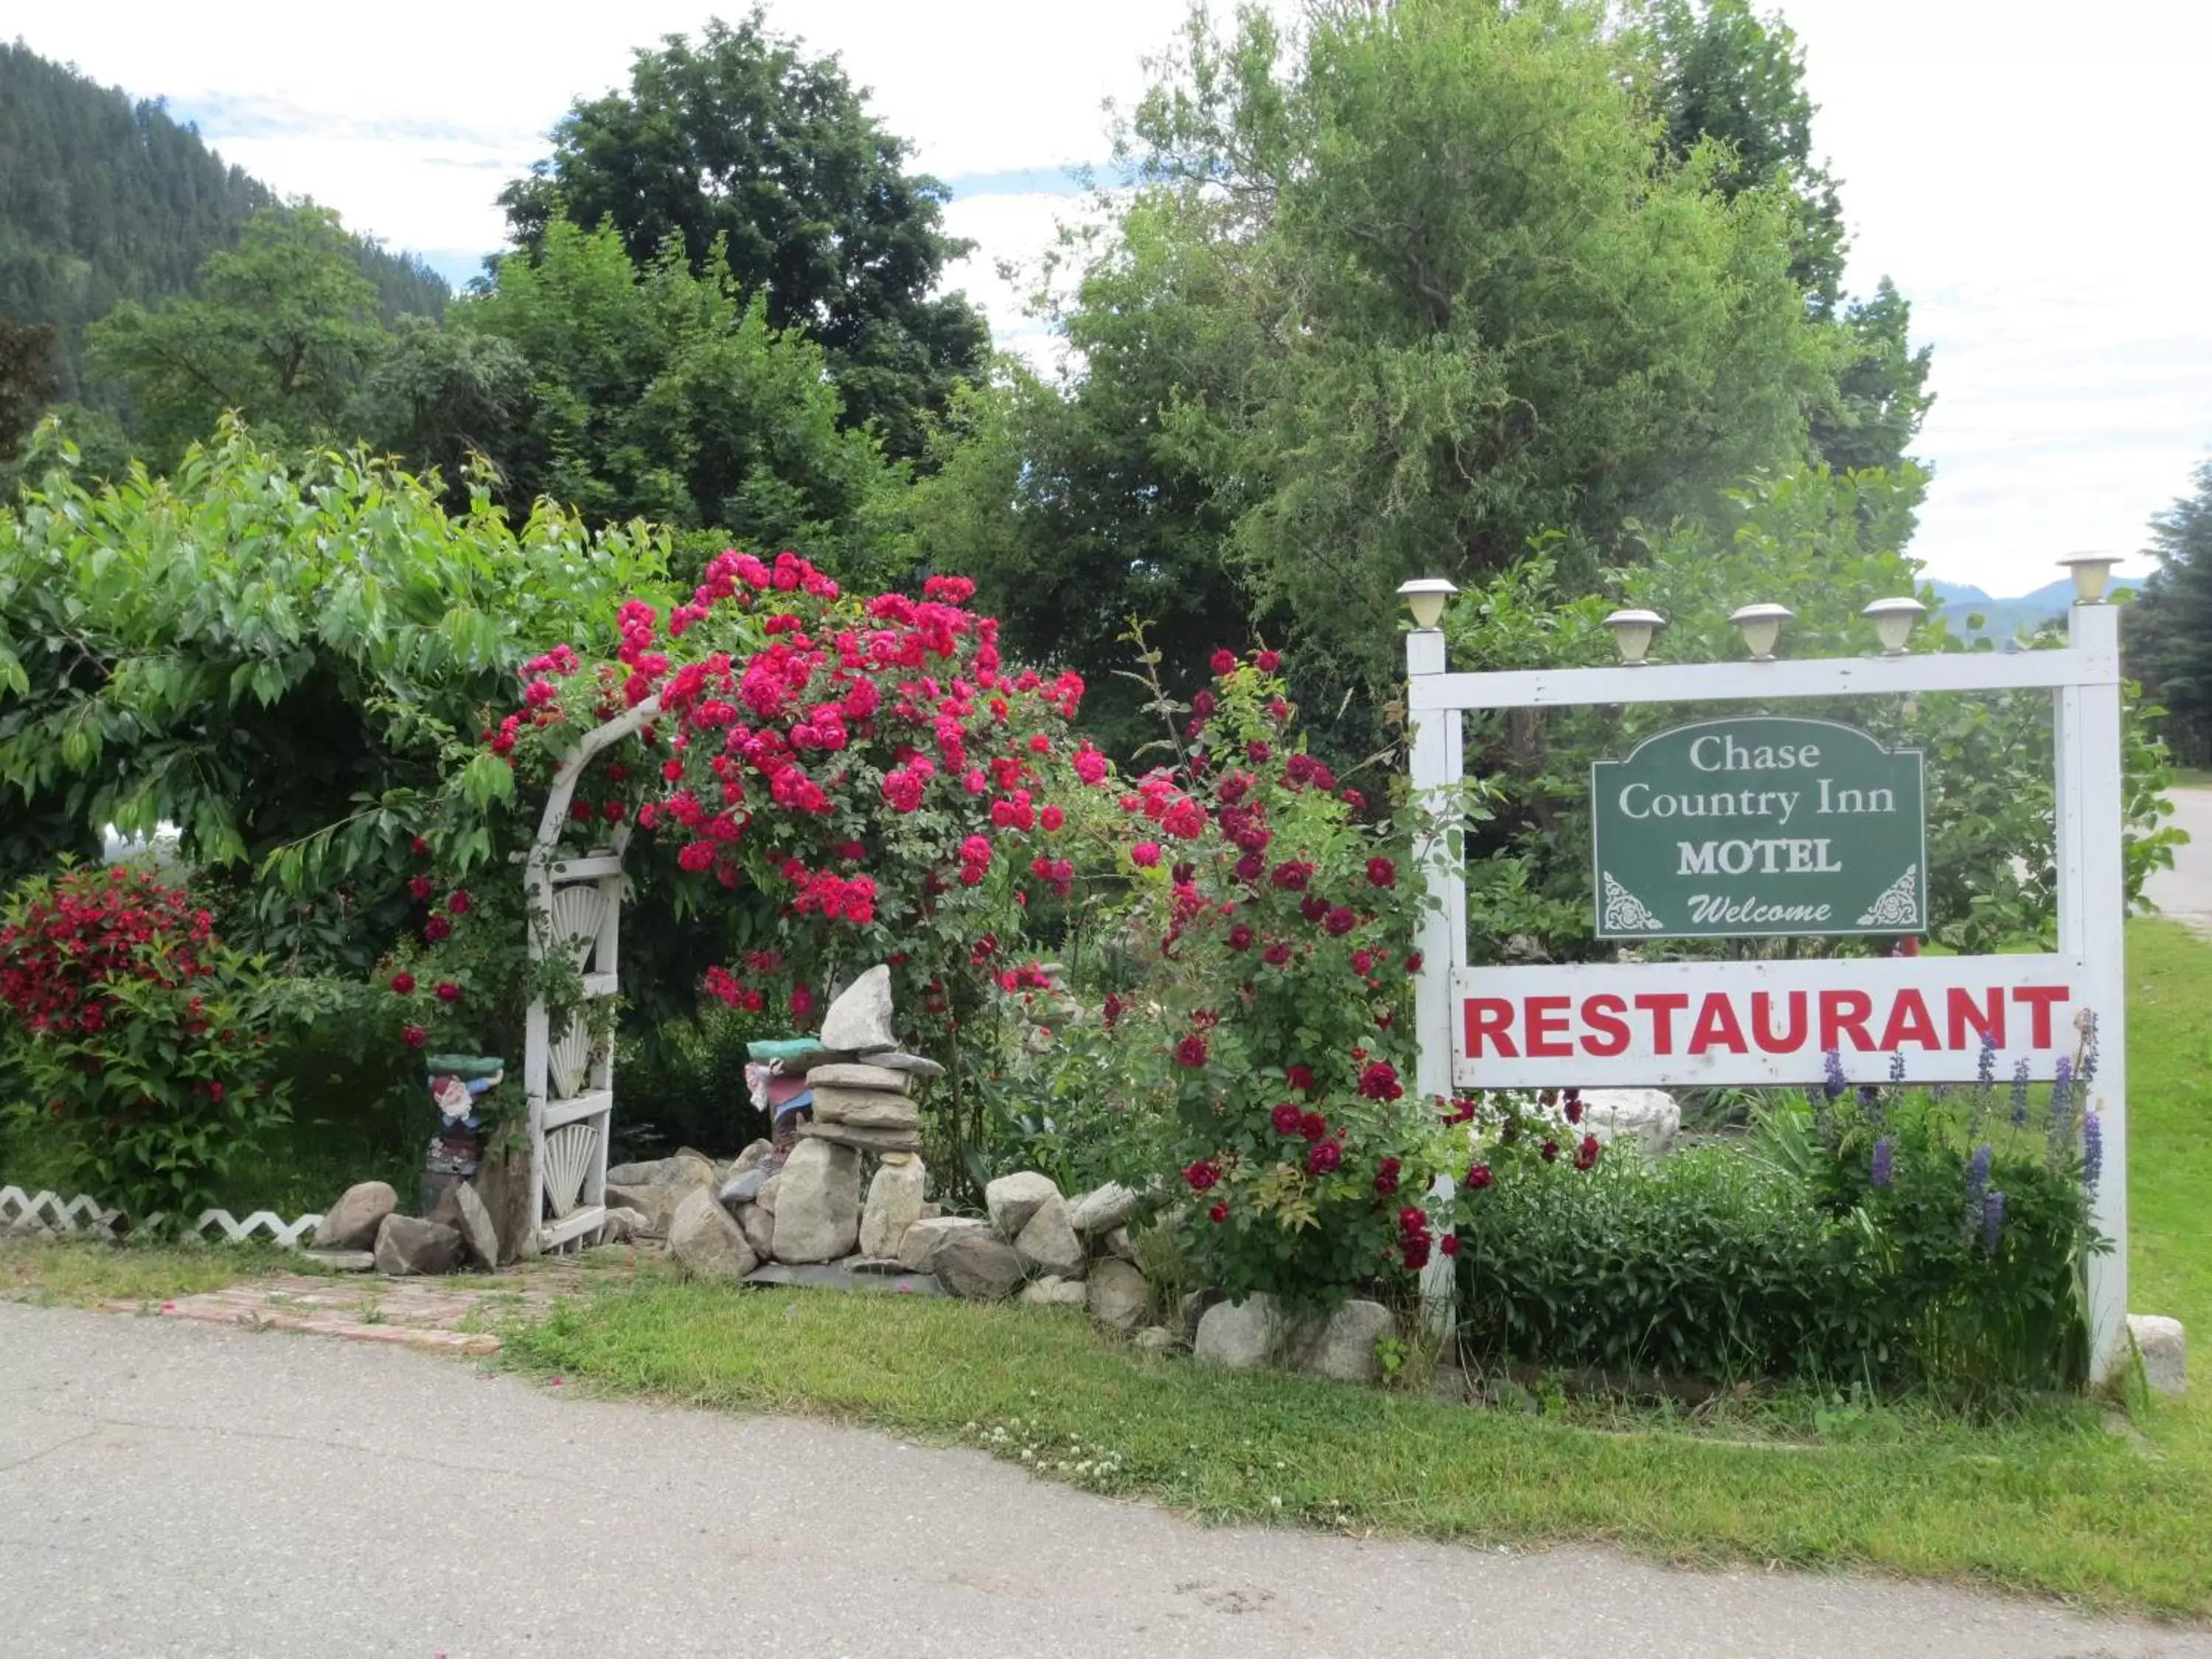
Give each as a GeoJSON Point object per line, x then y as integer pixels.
{"type": "Point", "coordinates": [568, 1075]}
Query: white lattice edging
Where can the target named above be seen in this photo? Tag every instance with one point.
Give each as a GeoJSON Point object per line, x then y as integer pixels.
{"type": "Point", "coordinates": [48, 1211]}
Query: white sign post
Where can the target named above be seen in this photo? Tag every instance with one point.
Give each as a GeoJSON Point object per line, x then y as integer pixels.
{"type": "Point", "coordinates": [1772, 1022]}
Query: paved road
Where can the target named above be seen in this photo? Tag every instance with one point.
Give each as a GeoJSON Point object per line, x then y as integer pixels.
{"type": "Point", "coordinates": [2185, 891]}
{"type": "Point", "coordinates": [176, 1490]}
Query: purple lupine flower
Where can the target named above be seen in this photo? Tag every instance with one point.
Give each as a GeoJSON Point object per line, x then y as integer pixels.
{"type": "Point", "coordinates": [1897, 1067]}
{"type": "Point", "coordinates": [2087, 1024]}
{"type": "Point", "coordinates": [1992, 1218]}
{"type": "Point", "coordinates": [1835, 1086]}
{"type": "Point", "coordinates": [2020, 1095]}
{"type": "Point", "coordinates": [1977, 1176]}
{"type": "Point", "coordinates": [2062, 1087]}
{"type": "Point", "coordinates": [1885, 1164]}
{"type": "Point", "coordinates": [1986, 1068]}
{"type": "Point", "coordinates": [2093, 1149]}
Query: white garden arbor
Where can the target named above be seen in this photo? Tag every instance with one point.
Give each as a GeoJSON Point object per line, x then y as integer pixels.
{"type": "Point", "coordinates": [568, 1075]}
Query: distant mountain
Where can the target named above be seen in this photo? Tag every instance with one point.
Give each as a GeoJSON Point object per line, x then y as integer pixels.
{"type": "Point", "coordinates": [1971, 612]}
{"type": "Point", "coordinates": [104, 199]}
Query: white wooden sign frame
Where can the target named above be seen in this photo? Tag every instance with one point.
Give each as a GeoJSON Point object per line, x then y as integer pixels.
{"type": "Point", "coordinates": [2088, 967]}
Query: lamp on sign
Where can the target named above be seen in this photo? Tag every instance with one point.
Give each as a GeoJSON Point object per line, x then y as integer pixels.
{"type": "Point", "coordinates": [1761, 627]}
{"type": "Point", "coordinates": [2091, 572]}
{"type": "Point", "coordinates": [1631, 633]}
{"type": "Point", "coordinates": [1424, 597]}
{"type": "Point", "coordinates": [1893, 621]}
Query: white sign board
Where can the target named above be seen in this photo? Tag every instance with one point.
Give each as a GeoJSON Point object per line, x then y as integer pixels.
{"type": "Point", "coordinates": [1698, 1025]}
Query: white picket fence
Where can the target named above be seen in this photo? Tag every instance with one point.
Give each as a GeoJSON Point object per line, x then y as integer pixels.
{"type": "Point", "coordinates": [49, 1212]}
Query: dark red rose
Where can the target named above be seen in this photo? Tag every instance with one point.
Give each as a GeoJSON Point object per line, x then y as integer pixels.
{"type": "Point", "coordinates": [1340, 921]}
{"type": "Point", "coordinates": [1190, 1053]}
{"type": "Point", "coordinates": [1240, 937]}
{"type": "Point", "coordinates": [1268, 661]}
{"type": "Point", "coordinates": [1224, 662]}
{"type": "Point", "coordinates": [1202, 1175]}
{"type": "Point", "coordinates": [1574, 1109]}
{"type": "Point", "coordinates": [1218, 1214]}
{"type": "Point", "coordinates": [1479, 1177]}
{"type": "Point", "coordinates": [1448, 1243]}
{"type": "Point", "coordinates": [1586, 1154]}
{"type": "Point", "coordinates": [1313, 1125]}
{"type": "Point", "coordinates": [1292, 876]}
{"type": "Point", "coordinates": [403, 983]}
{"type": "Point", "coordinates": [1381, 873]}
{"type": "Point", "coordinates": [1386, 1176]}
{"type": "Point", "coordinates": [1286, 1118]}
{"type": "Point", "coordinates": [448, 992]}
{"type": "Point", "coordinates": [413, 1036]}
{"type": "Point", "coordinates": [437, 929]}
{"type": "Point", "coordinates": [419, 885]}
{"type": "Point", "coordinates": [1324, 1158]}
{"type": "Point", "coordinates": [1550, 1152]}
{"type": "Point", "coordinates": [459, 903]}
{"type": "Point", "coordinates": [1277, 954]}
{"type": "Point", "coordinates": [1301, 1076]}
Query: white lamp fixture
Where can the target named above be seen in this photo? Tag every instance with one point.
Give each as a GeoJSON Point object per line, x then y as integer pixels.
{"type": "Point", "coordinates": [1424, 597]}
{"type": "Point", "coordinates": [1893, 621]}
{"type": "Point", "coordinates": [1761, 626]}
{"type": "Point", "coordinates": [1631, 633]}
{"type": "Point", "coordinates": [2091, 572]}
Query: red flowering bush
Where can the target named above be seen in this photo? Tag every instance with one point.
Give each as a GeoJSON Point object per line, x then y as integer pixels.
{"type": "Point", "coordinates": [137, 1035]}
{"type": "Point", "coordinates": [865, 779]}
{"type": "Point", "coordinates": [1275, 1006]}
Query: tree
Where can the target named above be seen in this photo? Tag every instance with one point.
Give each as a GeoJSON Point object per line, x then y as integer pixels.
{"type": "Point", "coordinates": [659, 392]}
{"type": "Point", "coordinates": [254, 649]}
{"type": "Point", "coordinates": [439, 397]}
{"type": "Point", "coordinates": [2169, 627]}
{"type": "Point", "coordinates": [766, 163]}
{"type": "Point", "coordinates": [283, 330]}
{"type": "Point", "coordinates": [27, 379]}
{"type": "Point", "coordinates": [1722, 73]}
{"type": "Point", "coordinates": [1479, 304]}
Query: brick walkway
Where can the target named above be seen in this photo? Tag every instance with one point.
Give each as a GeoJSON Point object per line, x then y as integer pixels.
{"type": "Point", "coordinates": [440, 1316]}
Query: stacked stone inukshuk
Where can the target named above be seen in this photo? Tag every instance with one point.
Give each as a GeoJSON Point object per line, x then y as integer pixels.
{"type": "Point", "coordinates": [810, 1210]}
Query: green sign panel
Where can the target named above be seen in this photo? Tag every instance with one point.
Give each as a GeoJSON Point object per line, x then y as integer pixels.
{"type": "Point", "coordinates": [1736, 828]}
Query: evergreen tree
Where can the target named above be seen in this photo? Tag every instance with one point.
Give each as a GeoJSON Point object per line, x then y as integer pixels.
{"type": "Point", "coordinates": [2169, 627]}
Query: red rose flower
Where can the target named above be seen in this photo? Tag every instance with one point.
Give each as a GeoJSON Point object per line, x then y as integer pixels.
{"type": "Point", "coordinates": [1201, 1176]}
{"type": "Point", "coordinates": [1277, 954]}
{"type": "Point", "coordinates": [1224, 662]}
{"type": "Point", "coordinates": [1313, 1125]}
{"type": "Point", "coordinates": [1292, 876]}
{"type": "Point", "coordinates": [1448, 1243]}
{"type": "Point", "coordinates": [1386, 1176]}
{"type": "Point", "coordinates": [1479, 1177]}
{"type": "Point", "coordinates": [448, 992]}
{"type": "Point", "coordinates": [1268, 661]}
{"type": "Point", "coordinates": [1240, 937]}
{"type": "Point", "coordinates": [1586, 1154]}
{"type": "Point", "coordinates": [1144, 854]}
{"type": "Point", "coordinates": [1413, 962]}
{"type": "Point", "coordinates": [1339, 922]}
{"type": "Point", "coordinates": [1324, 1158]}
{"type": "Point", "coordinates": [413, 1036]}
{"type": "Point", "coordinates": [403, 983]}
{"type": "Point", "coordinates": [459, 903]}
{"type": "Point", "coordinates": [1381, 873]}
{"type": "Point", "coordinates": [802, 1003]}
{"type": "Point", "coordinates": [1190, 1053]}
{"type": "Point", "coordinates": [1219, 1213]}
{"type": "Point", "coordinates": [1312, 907]}
{"type": "Point", "coordinates": [1417, 1254]}
{"type": "Point", "coordinates": [1380, 1081]}
{"type": "Point", "coordinates": [437, 929]}
{"type": "Point", "coordinates": [1574, 1108]}
{"type": "Point", "coordinates": [419, 885]}
{"type": "Point", "coordinates": [1301, 1076]}
{"type": "Point", "coordinates": [1286, 1118]}
{"type": "Point", "coordinates": [420, 847]}
{"type": "Point", "coordinates": [1550, 1152]}
{"type": "Point", "coordinates": [1052, 817]}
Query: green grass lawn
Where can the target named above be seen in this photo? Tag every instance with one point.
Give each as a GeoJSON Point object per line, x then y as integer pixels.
{"type": "Point", "coordinates": [2054, 1498]}
{"type": "Point", "coordinates": [2192, 777]}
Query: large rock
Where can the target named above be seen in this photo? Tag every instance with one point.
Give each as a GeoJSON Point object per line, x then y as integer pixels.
{"type": "Point", "coordinates": [860, 1018]}
{"type": "Point", "coordinates": [818, 1203]}
{"type": "Point", "coordinates": [657, 1203]}
{"type": "Point", "coordinates": [706, 1243]}
{"type": "Point", "coordinates": [1054, 1292]}
{"type": "Point", "coordinates": [1154, 1339]}
{"type": "Point", "coordinates": [977, 1265]}
{"type": "Point", "coordinates": [1649, 1116]}
{"type": "Point", "coordinates": [475, 1224]}
{"type": "Point", "coordinates": [1118, 1296]}
{"type": "Point", "coordinates": [1012, 1199]}
{"type": "Point", "coordinates": [752, 1158]}
{"type": "Point", "coordinates": [743, 1187]}
{"type": "Point", "coordinates": [1117, 1242]}
{"type": "Point", "coordinates": [2163, 1347]}
{"type": "Point", "coordinates": [406, 1245]}
{"type": "Point", "coordinates": [503, 1182]}
{"type": "Point", "coordinates": [685, 1169]}
{"type": "Point", "coordinates": [849, 1074]}
{"type": "Point", "coordinates": [864, 1140]}
{"type": "Point", "coordinates": [769, 1189]}
{"type": "Point", "coordinates": [1240, 1335]}
{"type": "Point", "coordinates": [923, 1239]}
{"type": "Point", "coordinates": [917, 1065]}
{"type": "Point", "coordinates": [866, 1108]}
{"type": "Point", "coordinates": [1101, 1209]}
{"type": "Point", "coordinates": [1193, 1310]}
{"type": "Point", "coordinates": [1047, 1244]}
{"type": "Point", "coordinates": [1343, 1346]}
{"type": "Point", "coordinates": [759, 1228]}
{"type": "Point", "coordinates": [621, 1226]}
{"type": "Point", "coordinates": [894, 1205]}
{"type": "Point", "coordinates": [351, 1222]}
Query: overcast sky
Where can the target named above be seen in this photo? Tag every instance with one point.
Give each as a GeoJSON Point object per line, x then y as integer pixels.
{"type": "Point", "coordinates": [2030, 172]}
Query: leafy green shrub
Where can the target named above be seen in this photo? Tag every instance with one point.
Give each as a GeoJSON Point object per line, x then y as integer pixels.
{"type": "Point", "coordinates": [1880, 1238]}
{"type": "Point", "coordinates": [138, 1034]}
{"type": "Point", "coordinates": [1703, 1264]}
